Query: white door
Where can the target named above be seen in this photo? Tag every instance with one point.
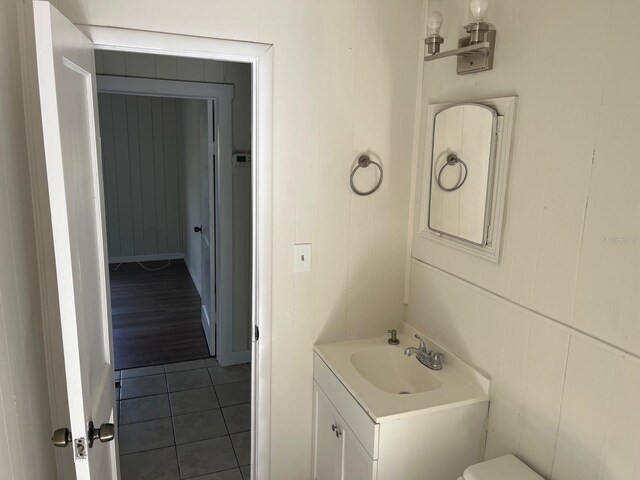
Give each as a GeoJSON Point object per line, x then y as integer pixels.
{"type": "Point", "coordinates": [66, 77]}
{"type": "Point", "coordinates": [208, 237]}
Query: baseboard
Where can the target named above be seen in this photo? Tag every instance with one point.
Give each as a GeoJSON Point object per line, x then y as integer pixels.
{"type": "Point", "coordinates": [196, 281]}
{"type": "Point", "coordinates": [147, 258]}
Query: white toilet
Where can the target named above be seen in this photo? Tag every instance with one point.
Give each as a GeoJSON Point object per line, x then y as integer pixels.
{"type": "Point", "coordinates": [507, 467]}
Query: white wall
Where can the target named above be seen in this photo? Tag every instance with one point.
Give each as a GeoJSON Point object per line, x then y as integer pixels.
{"type": "Point", "coordinates": [345, 78]}
{"type": "Point", "coordinates": [141, 175]}
{"type": "Point", "coordinates": [25, 421]}
{"type": "Point", "coordinates": [192, 145]}
{"type": "Point", "coordinates": [555, 323]}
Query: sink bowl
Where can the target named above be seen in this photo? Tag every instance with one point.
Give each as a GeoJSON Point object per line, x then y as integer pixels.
{"type": "Point", "coordinates": [388, 369]}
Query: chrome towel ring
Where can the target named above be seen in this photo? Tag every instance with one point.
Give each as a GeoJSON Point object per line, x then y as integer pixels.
{"type": "Point", "coordinates": [452, 160]}
{"type": "Point", "coordinates": [364, 161]}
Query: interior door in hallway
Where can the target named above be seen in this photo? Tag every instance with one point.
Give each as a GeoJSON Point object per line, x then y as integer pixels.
{"type": "Point", "coordinates": [68, 102]}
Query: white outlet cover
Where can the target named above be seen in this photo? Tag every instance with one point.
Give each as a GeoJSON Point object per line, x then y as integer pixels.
{"type": "Point", "coordinates": [302, 257]}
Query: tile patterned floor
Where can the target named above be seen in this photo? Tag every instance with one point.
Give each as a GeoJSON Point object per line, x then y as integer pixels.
{"type": "Point", "coordinates": [188, 420]}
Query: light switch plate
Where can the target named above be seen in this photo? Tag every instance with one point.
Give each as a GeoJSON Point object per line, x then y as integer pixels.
{"type": "Point", "coordinates": [302, 257]}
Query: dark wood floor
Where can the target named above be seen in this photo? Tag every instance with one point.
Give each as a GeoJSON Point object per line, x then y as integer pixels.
{"type": "Point", "coordinates": [156, 315]}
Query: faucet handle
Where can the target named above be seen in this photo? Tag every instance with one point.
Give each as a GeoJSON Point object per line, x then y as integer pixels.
{"type": "Point", "coordinates": [423, 344]}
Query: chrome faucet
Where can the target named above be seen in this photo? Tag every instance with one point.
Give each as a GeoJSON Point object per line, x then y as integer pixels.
{"type": "Point", "coordinates": [428, 358]}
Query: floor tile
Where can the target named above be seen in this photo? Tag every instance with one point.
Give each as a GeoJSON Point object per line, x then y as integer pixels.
{"type": "Point", "coordinates": [144, 408]}
{"type": "Point", "coordinates": [137, 437]}
{"type": "Point", "coordinates": [236, 373]}
{"type": "Point", "coordinates": [116, 375]}
{"type": "Point", "coordinates": [188, 380]}
{"type": "Point", "coordinates": [206, 456]}
{"type": "Point", "coordinates": [238, 417]}
{"type": "Point", "coordinates": [117, 393]}
{"type": "Point", "coordinates": [161, 464]}
{"type": "Point", "coordinates": [191, 401]}
{"type": "Point", "coordinates": [233, 474]}
{"type": "Point", "coordinates": [182, 366]}
{"type": "Point", "coordinates": [211, 362]}
{"type": "Point", "coordinates": [242, 446]}
{"type": "Point", "coordinates": [246, 472]}
{"type": "Point", "coordinates": [198, 426]}
{"type": "Point", "coordinates": [234, 393]}
{"type": "Point", "coordinates": [142, 386]}
{"type": "Point", "coordinates": [142, 371]}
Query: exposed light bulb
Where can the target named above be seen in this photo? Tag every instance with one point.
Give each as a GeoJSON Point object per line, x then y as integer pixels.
{"type": "Point", "coordinates": [434, 22]}
{"type": "Point", "coordinates": [478, 9]}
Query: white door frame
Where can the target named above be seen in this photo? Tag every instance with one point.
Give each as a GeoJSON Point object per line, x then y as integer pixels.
{"type": "Point", "coordinates": [221, 196]}
{"type": "Point", "coordinates": [260, 56]}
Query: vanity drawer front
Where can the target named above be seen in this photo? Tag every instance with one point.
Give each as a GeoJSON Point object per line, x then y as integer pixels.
{"type": "Point", "coordinates": [365, 429]}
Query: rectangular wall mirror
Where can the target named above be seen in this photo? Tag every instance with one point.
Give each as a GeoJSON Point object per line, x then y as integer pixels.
{"type": "Point", "coordinates": [462, 165]}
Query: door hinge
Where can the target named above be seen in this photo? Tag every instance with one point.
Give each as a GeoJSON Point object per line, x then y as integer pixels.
{"type": "Point", "coordinates": [257, 333]}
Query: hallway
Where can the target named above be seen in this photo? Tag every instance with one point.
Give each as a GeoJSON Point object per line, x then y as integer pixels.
{"type": "Point", "coordinates": [155, 314]}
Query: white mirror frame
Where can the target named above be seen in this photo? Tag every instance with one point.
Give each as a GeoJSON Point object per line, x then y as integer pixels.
{"type": "Point", "coordinates": [506, 108]}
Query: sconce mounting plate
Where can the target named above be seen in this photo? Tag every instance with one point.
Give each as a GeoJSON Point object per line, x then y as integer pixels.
{"type": "Point", "coordinates": [479, 60]}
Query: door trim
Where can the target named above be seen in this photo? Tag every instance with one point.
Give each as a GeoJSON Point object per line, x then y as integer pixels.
{"type": "Point", "coordinates": [260, 56]}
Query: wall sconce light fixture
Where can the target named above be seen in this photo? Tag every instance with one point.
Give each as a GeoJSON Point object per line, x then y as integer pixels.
{"type": "Point", "coordinates": [474, 52]}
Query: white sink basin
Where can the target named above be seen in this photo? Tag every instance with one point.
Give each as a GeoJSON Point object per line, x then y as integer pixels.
{"type": "Point", "coordinates": [388, 369]}
{"type": "Point", "coordinates": [390, 385]}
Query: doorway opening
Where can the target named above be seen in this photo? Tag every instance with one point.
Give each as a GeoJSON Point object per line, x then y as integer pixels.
{"type": "Point", "coordinates": [176, 156]}
{"type": "Point", "coordinates": [64, 157]}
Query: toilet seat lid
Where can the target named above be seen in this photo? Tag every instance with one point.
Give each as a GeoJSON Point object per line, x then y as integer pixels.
{"type": "Point", "coordinates": [506, 467]}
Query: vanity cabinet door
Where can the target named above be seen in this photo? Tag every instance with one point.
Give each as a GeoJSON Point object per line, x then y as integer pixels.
{"type": "Point", "coordinates": [338, 454]}
{"type": "Point", "coordinates": [327, 445]}
{"type": "Point", "coordinates": [356, 462]}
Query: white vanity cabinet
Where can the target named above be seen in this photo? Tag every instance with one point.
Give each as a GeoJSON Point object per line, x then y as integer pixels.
{"type": "Point", "coordinates": [339, 455]}
{"type": "Point", "coordinates": [351, 442]}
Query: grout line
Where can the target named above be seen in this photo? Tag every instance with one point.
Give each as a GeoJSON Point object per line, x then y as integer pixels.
{"type": "Point", "coordinates": [227, 428]}
{"type": "Point", "coordinates": [173, 430]}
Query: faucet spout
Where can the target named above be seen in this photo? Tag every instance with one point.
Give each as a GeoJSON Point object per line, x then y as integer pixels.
{"type": "Point", "coordinates": [428, 358]}
{"type": "Point", "coordinates": [412, 351]}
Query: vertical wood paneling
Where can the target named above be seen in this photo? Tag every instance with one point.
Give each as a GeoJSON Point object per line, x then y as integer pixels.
{"type": "Point", "coordinates": [191, 69]}
{"type": "Point", "coordinates": [365, 139]}
{"type": "Point", "coordinates": [109, 166]}
{"type": "Point", "coordinates": [114, 63]}
{"type": "Point", "coordinates": [147, 179]}
{"type": "Point", "coordinates": [123, 192]}
{"type": "Point", "coordinates": [214, 72]}
{"type": "Point", "coordinates": [133, 128]}
{"type": "Point", "coordinates": [141, 175]}
{"type": "Point", "coordinates": [337, 124]}
{"type": "Point", "coordinates": [140, 65]}
{"type": "Point", "coordinates": [166, 67]}
{"type": "Point", "coordinates": [239, 75]}
{"type": "Point", "coordinates": [159, 173]}
{"type": "Point", "coordinates": [172, 192]}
